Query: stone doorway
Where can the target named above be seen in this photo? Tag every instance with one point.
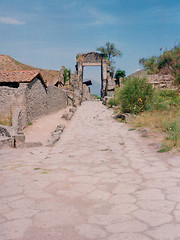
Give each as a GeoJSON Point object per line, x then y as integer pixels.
{"type": "Point", "coordinates": [94, 59]}
{"type": "Point", "coordinates": [92, 78]}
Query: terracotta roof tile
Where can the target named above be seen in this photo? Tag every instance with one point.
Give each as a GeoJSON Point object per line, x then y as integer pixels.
{"type": "Point", "coordinates": [19, 76]}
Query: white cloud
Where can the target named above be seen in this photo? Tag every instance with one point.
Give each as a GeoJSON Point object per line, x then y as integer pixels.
{"type": "Point", "coordinates": [11, 21]}
{"type": "Point", "coordinates": [100, 18]}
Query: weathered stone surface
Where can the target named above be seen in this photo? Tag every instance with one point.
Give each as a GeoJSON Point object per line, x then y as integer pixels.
{"type": "Point", "coordinates": [132, 226]}
{"type": "Point", "coordinates": [91, 232]}
{"type": "Point", "coordinates": [89, 186]}
{"type": "Point", "coordinates": [50, 219]}
{"type": "Point", "coordinates": [153, 218]}
{"type": "Point", "coordinates": [166, 232]}
{"type": "Point", "coordinates": [128, 236]}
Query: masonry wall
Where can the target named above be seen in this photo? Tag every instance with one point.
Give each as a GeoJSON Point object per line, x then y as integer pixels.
{"type": "Point", "coordinates": [56, 99]}
{"type": "Point", "coordinates": [33, 99]}
{"type": "Point", "coordinates": [7, 99]}
{"type": "Point", "coordinates": [161, 81]}
{"type": "Point", "coordinates": [36, 99]}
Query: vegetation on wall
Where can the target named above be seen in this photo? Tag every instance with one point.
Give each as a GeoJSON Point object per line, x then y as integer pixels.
{"type": "Point", "coordinates": [67, 75]}
{"type": "Point", "coordinates": [166, 63]}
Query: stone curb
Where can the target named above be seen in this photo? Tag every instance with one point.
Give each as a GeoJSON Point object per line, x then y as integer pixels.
{"type": "Point", "coordinates": [68, 116]}
{"type": "Point", "coordinates": [56, 135]}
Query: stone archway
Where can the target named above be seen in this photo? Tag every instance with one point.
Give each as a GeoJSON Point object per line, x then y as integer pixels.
{"type": "Point", "coordinates": [94, 59]}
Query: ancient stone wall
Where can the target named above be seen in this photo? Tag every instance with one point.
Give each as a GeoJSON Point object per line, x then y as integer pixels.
{"type": "Point", "coordinates": [36, 98]}
{"type": "Point", "coordinates": [7, 99]}
{"type": "Point", "coordinates": [161, 81]}
{"type": "Point", "coordinates": [32, 100]}
{"type": "Point", "coordinates": [56, 99]}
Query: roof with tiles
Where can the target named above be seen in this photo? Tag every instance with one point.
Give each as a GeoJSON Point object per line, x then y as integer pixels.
{"type": "Point", "coordinates": [19, 76]}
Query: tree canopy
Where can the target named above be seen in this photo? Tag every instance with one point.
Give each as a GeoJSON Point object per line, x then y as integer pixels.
{"type": "Point", "coordinates": [120, 73]}
{"type": "Point", "coordinates": [109, 51]}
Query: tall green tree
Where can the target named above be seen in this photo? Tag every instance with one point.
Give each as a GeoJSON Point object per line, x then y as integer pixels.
{"type": "Point", "coordinates": [109, 51]}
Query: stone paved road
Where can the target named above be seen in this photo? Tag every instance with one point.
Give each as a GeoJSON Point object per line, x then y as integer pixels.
{"type": "Point", "coordinates": [100, 181]}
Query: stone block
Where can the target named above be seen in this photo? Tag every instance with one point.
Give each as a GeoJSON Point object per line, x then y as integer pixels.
{"type": "Point", "coordinates": [19, 139]}
{"type": "Point", "coordinates": [72, 109]}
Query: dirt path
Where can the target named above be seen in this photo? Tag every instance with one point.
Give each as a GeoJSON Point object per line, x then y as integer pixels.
{"type": "Point", "coordinates": [100, 181]}
{"type": "Point", "coordinates": [41, 129]}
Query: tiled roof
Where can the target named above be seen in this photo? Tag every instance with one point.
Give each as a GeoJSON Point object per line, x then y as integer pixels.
{"type": "Point", "coordinates": [19, 76]}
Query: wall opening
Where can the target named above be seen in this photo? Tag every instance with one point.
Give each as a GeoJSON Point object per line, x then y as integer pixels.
{"type": "Point", "coordinates": [93, 73]}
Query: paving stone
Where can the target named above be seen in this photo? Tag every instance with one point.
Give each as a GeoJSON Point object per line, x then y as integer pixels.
{"type": "Point", "coordinates": [50, 219]}
{"type": "Point", "coordinates": [150, 194]}
{"type": "Point", "coordinates": [122, 198]}
{"type": "Point", "coordinates": [160, 206]}
{"type": "Point", "coordinates": [10, 189]}
{"type": "Point", "coordinates": [123, 208]}
{"type": "Point", "coordinates": [15, 229]}
{"type": "Point", "coordinates": [128, 227]}
{"type": "Point", "coordinates": [20, 213]}
{"type": "Point", "coordinates": [99, 195]}
{"type": "Point", "coordinates": [128, 236]}
{"type": "Point", "coordinates": [166, 232]}
{"type": "Point", "coordinates": [177, 215]}
{"type": "Point", "coordinates": [153, 218]}
{"type": "Point", "coordinates": [90, 232]}
{"type": "Point", "coordinates": [124, 188]}
{"type": "Point", "coordinates": [83, 188]}
{"type": "Point", "coordinates": [108, 219]}
{"type": "Point", "coordinates": [174, 197]}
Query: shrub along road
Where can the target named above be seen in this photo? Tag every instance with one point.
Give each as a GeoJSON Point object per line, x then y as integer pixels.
{"type": "Point", "coordinates": [100, 181]}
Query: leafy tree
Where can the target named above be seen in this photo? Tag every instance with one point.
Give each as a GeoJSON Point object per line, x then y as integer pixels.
{"type": "Point", "coordinates": [109, 51]}
{"type": "Point", "coordinates": [120, 73]}
{"type": "Point", "coordinates": [150, 64]}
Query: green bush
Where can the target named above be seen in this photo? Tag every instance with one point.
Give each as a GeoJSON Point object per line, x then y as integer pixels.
{"type": "Point", "coordinates": [135, 95]}
{"type": "Point", "coordinates": [111, 102]}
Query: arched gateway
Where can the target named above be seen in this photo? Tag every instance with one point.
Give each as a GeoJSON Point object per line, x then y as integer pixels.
{"type": "Point", "coordinates": [96, 59]}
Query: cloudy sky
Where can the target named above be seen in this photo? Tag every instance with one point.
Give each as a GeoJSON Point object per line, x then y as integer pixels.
{"type": "Point", "coordinates": [50, 33]}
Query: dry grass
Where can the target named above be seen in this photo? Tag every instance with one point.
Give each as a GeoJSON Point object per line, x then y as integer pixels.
{"type": "Point", "coordinates": [165, 122]}
{"type": "Point", "coordinates": [6, 119]}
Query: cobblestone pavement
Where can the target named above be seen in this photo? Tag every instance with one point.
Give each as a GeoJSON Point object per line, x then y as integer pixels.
{"type": "Point", "coordinates": [100, 181]}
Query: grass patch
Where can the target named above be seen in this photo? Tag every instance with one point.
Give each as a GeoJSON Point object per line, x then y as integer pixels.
{"type": "Point", "coordinates": [45, 171]}
{"type": "Point", "coordinates": [6, 119]}
{"type": "Point", "coordinates": [163, 118]}
{"type": "Point", "coordinates": [131, 129]}
{"type": "Point", "coordinates": [164, 149]}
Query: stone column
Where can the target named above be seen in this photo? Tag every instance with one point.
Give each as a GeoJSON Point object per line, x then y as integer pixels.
{"type": "Point", "coordinates": [80, 74]}
{"type": "Point", "coordinates": [104, 69]}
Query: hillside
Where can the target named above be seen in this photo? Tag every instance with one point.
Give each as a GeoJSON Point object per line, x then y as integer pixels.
{"type": "Point", "coordinates": [9, 64]}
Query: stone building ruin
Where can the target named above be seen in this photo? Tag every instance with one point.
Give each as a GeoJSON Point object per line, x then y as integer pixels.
{"type": "Point", "coordinates": [26, 91]}
{"type": "Point", "coordinates": [95, 59]}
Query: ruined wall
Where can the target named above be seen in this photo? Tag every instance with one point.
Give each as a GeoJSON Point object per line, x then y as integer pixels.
{"type": "Point", "coordinates": [161, 81]}
{"type": "Point", "coordinates": [31, 100]}
{"type": "Point", "coordinates": [36, 95]}
{"type": "Point", "coordinates": [7, 99]}
{"type": "Point", "coordinates": [41, 100]}
{"type": "Point", "coordinates": [56, 99]}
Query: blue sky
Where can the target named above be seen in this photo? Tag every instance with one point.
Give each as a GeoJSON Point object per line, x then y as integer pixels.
{"type": "Point", "coordinates": [49, 33]}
